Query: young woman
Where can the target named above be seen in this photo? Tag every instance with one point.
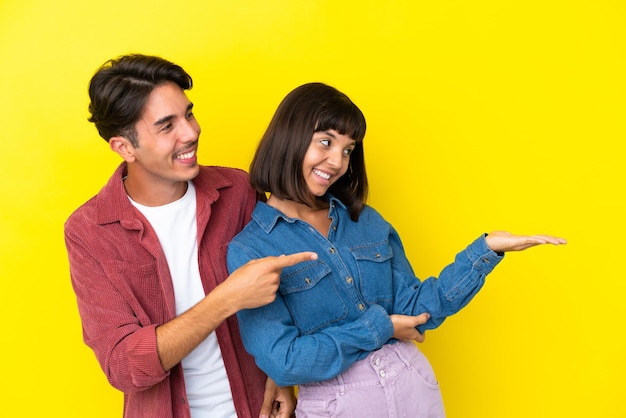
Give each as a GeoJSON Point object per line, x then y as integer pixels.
{"type": "Point", "coordinates": [342, 326]}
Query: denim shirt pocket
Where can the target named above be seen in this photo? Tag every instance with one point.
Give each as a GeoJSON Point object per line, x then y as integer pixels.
{"type": "Point", "coordinates": [375, 270]}
{"type": "Point", "coordinates": [311, 296]}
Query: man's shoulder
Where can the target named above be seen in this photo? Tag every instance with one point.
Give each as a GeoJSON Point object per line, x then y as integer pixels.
{"type": "Point", "coordinates": [85, 206]}
{"type": "Point", "coordinates": [224, 171]}
{"type": "Point", "coordinates": [219, 177]}
{"type": "Point", "coordinates": [107, 197]}
{"type": "Point", "coordinates": [82, 217]}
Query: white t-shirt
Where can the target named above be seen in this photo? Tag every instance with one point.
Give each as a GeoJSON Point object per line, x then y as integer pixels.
{"type": "Point", "coordinates": [208, 390]}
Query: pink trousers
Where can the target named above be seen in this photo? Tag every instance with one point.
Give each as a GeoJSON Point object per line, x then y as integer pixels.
{"type": "Point", "coordinates": [395, 381]}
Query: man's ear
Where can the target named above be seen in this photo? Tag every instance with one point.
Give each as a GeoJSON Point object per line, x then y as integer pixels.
{"type": "Point", "coordinates": [123, 147]}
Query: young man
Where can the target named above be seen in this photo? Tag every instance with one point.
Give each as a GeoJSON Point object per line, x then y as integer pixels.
{"type": "Point", "coordinates": [147, 257]}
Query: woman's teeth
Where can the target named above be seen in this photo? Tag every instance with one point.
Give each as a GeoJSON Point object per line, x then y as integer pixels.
{"type": "Point", "coordinates": [322, 174]}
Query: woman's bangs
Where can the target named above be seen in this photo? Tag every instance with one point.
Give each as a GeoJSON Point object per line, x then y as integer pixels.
{"type": "Point", "coordinates": [347, 120]}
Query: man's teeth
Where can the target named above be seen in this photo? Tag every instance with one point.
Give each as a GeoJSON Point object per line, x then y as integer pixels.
{"type": "Point", "coordinates": [322, 174]}
{"type": "Point", "coordinates": [186, 155]}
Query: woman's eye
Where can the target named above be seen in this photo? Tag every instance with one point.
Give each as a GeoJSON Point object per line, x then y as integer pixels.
{"type": "Point", "coordinates": [325, 142]}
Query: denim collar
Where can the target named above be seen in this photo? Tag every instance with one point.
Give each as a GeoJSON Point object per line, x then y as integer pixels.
{"type": "Point", "coordinates": [267, 217]}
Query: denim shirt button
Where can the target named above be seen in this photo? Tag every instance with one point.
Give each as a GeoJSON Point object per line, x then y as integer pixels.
{"type": "Point", "coordinates": [349, 280]}
{"type": "Point", "coordinates": [332, 250]}
{"type": "Point", "coordinates": [307, 280]}
{"type": "Point", "coordinates": [361, 306]}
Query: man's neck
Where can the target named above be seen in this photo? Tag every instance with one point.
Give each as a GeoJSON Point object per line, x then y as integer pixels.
{"type": "Point", "coordinates": [155, 195]}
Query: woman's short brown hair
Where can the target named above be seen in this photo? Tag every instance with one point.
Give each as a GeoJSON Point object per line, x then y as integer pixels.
{"type": "Point", "coordinates": [277, 164]}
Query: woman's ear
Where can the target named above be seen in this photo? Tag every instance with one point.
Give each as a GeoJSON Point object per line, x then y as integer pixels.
{"type": "Point", "coordinates": [123, 147]}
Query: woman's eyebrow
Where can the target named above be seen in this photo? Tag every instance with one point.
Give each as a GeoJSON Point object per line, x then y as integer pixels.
{"type": "Point", "coordinates": [329, 133]}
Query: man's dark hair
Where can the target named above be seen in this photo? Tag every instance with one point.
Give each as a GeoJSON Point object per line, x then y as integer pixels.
{"type": "Point", "coordinates": [120, 88]}
{"type": "Point", "coordinates": [277, 164]}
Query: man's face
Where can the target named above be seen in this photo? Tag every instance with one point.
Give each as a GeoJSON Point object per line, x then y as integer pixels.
{"type": "Point", "coordinates": [167, 134]}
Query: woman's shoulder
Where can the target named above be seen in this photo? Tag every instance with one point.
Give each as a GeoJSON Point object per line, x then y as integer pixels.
{"type": "Point", "coordinates": [369, 214]}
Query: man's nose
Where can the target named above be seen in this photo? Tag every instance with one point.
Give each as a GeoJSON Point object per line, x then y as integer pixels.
{"type": "Point", "coordinates": [190, 131]}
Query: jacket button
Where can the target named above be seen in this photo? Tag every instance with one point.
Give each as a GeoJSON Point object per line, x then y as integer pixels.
{"type": "Point", "coordinates": [361, 306]}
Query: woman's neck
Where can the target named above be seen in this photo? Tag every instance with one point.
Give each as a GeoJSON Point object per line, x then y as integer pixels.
{"type": "Point", "coordinates": [315, 216]}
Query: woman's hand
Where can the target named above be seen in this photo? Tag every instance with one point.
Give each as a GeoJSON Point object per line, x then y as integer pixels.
{"type": "Point", "coordinates": [502, 241]}
{"type": "Point", "coordinates": [404, 326]}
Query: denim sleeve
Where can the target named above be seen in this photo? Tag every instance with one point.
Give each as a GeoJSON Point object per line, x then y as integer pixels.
{"type": "Point", "coordinates": [290, 358]}
{"type": "Point", "coordinates": [455, 287]}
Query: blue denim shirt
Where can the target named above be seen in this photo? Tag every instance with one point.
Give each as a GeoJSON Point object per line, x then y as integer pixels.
{"type": "Point", "coordinates": [333, 311]}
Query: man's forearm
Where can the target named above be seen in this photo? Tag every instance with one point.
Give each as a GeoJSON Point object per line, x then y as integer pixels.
{"type": "Point", "coordinates": [178, 337]}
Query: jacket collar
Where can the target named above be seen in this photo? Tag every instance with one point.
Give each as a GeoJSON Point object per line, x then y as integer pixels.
{"type": "Point", "coordinates": [267, 217]}
{"type": "Point", "coordinates": [113, 205]}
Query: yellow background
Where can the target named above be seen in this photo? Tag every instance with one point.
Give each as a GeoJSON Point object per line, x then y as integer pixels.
{"type": "Point", "coordinates": [482, 115]}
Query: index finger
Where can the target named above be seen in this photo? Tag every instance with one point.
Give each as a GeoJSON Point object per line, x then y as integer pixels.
{"type": "Point", "coordinates": [293, 259]}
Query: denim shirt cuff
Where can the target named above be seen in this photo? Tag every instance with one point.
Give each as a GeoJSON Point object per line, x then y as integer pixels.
{"type": "Point", "coordinates": [482, 257]}
{"type": "Point", "coordinates": [378, 321]}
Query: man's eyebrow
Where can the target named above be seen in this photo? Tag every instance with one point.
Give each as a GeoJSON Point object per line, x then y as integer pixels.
{"type": "Point", "coordinates": [168, 118]}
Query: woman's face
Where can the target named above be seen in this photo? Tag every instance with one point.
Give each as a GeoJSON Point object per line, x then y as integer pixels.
{"type": "Point", "coordinates": [326, 160]}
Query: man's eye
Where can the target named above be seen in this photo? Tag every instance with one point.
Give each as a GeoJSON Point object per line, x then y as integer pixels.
{"type": "Point", "coordinates": [166, 127]}
{"type": "Point", "coordinates": [190, 116]}
{"type": "Point", "coordinates": [348, 151]}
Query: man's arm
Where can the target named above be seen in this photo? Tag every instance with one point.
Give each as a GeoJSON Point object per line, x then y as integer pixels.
{"type": "Point", "coordinates": [279, 402]}
{"type": "Point", "coordinates": [252, 285]}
